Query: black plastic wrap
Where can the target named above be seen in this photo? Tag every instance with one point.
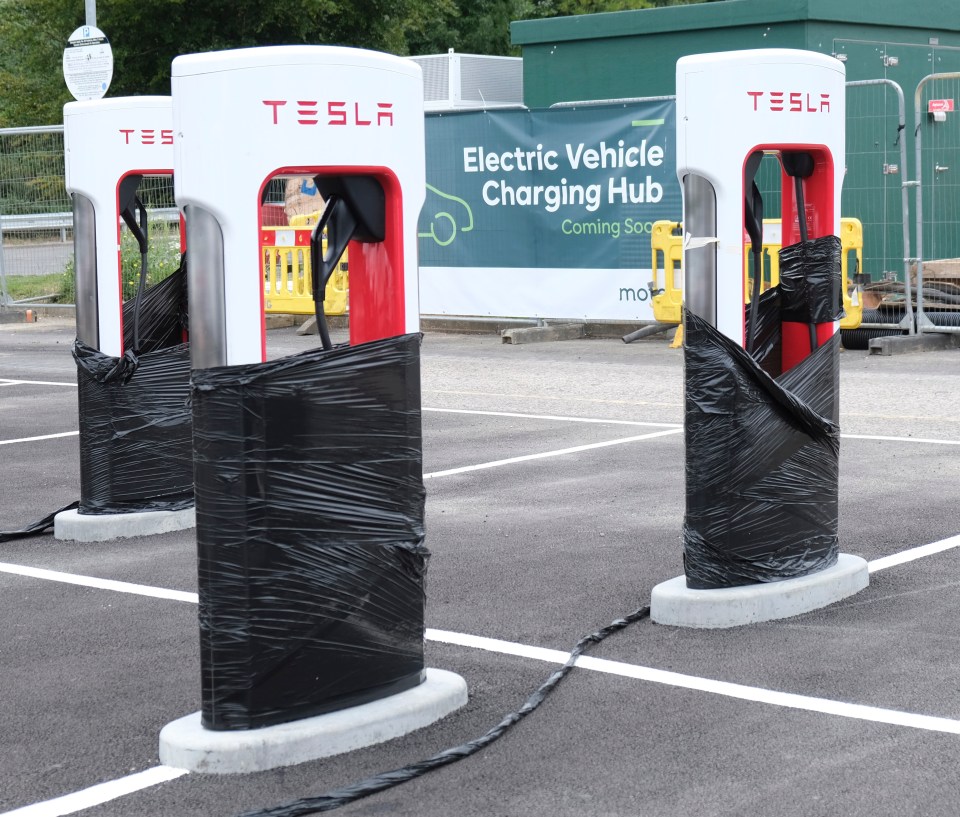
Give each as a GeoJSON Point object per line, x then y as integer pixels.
{"type": "Point", "coordinates": [163, 313]}
{"type": "Point", "coordinates": [36, 528]}
{"type": "Point", "coordinates": [135, 431]}
{"type": "Point", "coordinates": [310, 532]}
{"type": "Point", "coordinates": [768, 339]}
{"type": "Point", "coordinates": [762, 459]}
{"type": "Point", "coordinates": [810, 281]}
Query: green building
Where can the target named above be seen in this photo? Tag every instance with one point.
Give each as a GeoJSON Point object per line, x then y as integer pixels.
{"type": "Point", "coordinates": [630, 54]}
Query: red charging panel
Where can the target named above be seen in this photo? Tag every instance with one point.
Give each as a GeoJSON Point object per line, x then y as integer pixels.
{"type": "Point", "coordinates": [818, 192]}
{"type": "Point", "coordinates": [377, 292]}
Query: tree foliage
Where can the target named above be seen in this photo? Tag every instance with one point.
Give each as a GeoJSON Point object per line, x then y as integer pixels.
{"type": "Point", "coordinates": [147, 34]}
{"type": "Point", "coordinates": [32, 36]}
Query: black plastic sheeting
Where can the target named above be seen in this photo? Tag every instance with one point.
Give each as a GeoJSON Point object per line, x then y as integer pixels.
{"type": "Point", "coordinates": [36, 528]}
{"type": "Point", "coordinates": [310, 532]}
{"type": "Point", "coordinates": [762, 448]}
{"type": "Point", "coordinates": [810, 281]}
{"type": "Point", "coordinates": [135, 424]}
{"type": "Point", "coordinates": [164, 318]}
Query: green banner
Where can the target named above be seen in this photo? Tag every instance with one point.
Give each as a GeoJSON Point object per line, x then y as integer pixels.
{"type": "Point", "coordinates": [566, 188]}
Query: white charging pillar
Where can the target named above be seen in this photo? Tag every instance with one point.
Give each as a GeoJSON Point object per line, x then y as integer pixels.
{"type": "Point", "coordinates": [105, 142]}
{"type": "Point", "coordinates": [244, 117]}
{"type": "Point", "coordinates": [241, 119]}
{"type": "Point", "coordinates": [733, 108]}
{"type": "Point", "coordinates": [731, 105]}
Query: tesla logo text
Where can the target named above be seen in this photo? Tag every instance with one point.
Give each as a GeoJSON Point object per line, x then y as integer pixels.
{"type": "Point", "coordinates": [147, 136]}
{"type": "Point", "coordinates": [792, 101]}
{"type": "Point", "coordinates": [315, 112]}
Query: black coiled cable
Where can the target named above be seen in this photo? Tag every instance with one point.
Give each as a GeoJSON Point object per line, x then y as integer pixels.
{"type": "Point", "coordinates": [386, 780]}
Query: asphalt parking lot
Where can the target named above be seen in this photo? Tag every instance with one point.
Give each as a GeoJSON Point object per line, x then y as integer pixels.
{"type": "Point", "coordinates": [555, 497]}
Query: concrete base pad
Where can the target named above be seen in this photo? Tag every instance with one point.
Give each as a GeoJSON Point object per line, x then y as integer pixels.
{"type": "Point", "coordinates": [672, 602]}
{"type": "Point", "coordinates": [103, 527]}
{"type": "Point", "coordinates": [185, 744]}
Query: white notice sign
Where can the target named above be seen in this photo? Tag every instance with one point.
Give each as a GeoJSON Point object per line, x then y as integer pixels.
{"type": "Point", "coordinates": [88, 63]}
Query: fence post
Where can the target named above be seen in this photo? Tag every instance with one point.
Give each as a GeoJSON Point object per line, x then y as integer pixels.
{"type": "Point", "coordinates": [4, 294]}
{"type": "Point", "coordinates": [923, 322]}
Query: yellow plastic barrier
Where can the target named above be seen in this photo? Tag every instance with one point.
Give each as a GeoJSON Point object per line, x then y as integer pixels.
{"type": "Point", "coordinates": [667, 282]}
{"type": "Point", "coordinates": [770, 257]}
{"type": "Point", "coordinates": [666, 242]}
{"type": "Point", "coordinates": [851, 241]}
{"type": "Point", "coordinates": [287, 277]}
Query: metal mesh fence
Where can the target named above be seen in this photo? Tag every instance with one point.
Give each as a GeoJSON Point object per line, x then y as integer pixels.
{"type": "Point", "coordinates": [875, 171]}
{"type": "Point", "coordinates": [36, 223]}
{"type": "Point", "coordinates": [940, 166]}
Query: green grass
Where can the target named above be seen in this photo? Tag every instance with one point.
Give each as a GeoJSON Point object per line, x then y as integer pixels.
{"type": "Point", "coordinates": [164, 259]}
{"type": "Point", "coordinates": [32, 286]}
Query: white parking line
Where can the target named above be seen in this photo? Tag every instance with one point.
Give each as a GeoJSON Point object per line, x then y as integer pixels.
{"type": "Point", "coordinates": [557, 453]}
{"type": "Point", "coordinates": [671, 428]}
{"type": "Point", "coordinates": [899, 439]}
{"type": "Point", "coordinates": [914, 553]}
{"type": "Point", "coordinates": [6, 382]}
{"type": "Point", "coordinates": [747, 693]}
{"type": "Point", "coordinates": [100, 584]}
{"type": "Point", "coordinates": [639, 672]}
{"type": "Point", "coordinates": [101, 793]}
{"type": "Point", "coordinates": [95, 795]}
{"type": "Point", "coordinates": [601, 421]}
{"type": "Point", "coordinates": [788, 700]}
{"type": "Point", "coordinates": [556, 417]}
{"type": "Point", "coordinates": [42, 437]}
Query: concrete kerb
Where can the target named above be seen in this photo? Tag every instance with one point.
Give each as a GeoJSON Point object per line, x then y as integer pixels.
{"type": "Point", "coordinates": [18, 314]}
{"type": "Point", "coordinates": [905, 344]}
{"type": "Point", "coordinates": [456, 324]}
{"type": "Point", "coordinates": [540, 334]}
{"type": "Point", "coordinates": [186, 744]}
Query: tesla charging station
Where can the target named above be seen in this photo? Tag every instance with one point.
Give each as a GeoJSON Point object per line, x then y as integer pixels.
{"type": "Point", "coordinates": [733, 109]}
{"type": "Point", "coordinates": [274, 112]}
{"type": "Point", "coordinates": [339, 666]}
{"type": "Point", "coordinates": [110, 146]}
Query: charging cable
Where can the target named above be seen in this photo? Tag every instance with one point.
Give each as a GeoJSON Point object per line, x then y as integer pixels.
{"type": "Point", "coordinates": [387, 780]}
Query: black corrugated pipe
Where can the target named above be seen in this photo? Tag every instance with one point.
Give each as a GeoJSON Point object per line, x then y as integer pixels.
{"type": "Point", "coordinates": [943, 318]}
{"type": "Point", "coordinates": [857, 339]}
